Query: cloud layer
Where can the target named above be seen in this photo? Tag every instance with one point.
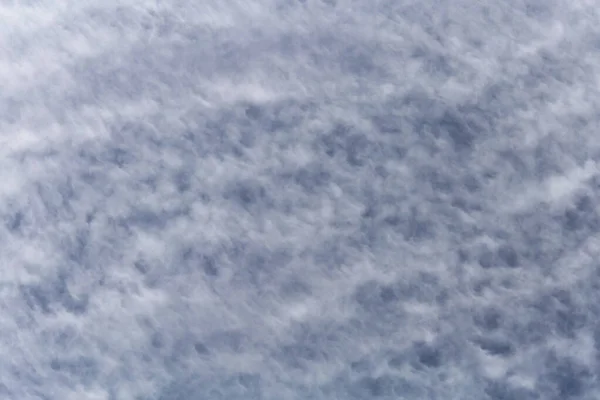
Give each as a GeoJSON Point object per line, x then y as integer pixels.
{"type": "Point", "coordinates": [279, 199]}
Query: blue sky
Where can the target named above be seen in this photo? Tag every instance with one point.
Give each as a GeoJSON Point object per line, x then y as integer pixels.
{"type": "Point", "coordinates": [317, 199]}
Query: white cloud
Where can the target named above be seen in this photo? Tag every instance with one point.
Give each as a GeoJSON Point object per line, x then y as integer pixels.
{"type": "Point", "coordinates": [298, 199]}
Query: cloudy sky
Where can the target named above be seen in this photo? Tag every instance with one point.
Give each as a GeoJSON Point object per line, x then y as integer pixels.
{"type": "Point", "coordinates": [299, 199]}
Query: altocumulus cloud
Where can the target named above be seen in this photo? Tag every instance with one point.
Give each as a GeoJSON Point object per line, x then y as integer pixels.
{"type": "Point", "coordinates": [285, 199]}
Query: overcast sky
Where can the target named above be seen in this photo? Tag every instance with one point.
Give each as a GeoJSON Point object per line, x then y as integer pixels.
{"type": "Point", "coordinates": [299, 199]}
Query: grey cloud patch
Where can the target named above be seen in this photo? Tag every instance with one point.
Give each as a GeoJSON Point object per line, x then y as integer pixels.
{"type": "Point", "coordinates": [292, 200]}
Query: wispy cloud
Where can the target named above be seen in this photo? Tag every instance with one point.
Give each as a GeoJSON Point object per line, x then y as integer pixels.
{"type": "Point", "coordinates": [298, 199]}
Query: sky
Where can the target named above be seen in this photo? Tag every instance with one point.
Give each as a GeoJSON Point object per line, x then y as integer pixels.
{"type": "Point", "coordinates": [299, 200]}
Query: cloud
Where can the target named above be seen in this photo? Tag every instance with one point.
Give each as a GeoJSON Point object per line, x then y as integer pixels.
{"type": "Point", "coordinates": [298, 199]}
